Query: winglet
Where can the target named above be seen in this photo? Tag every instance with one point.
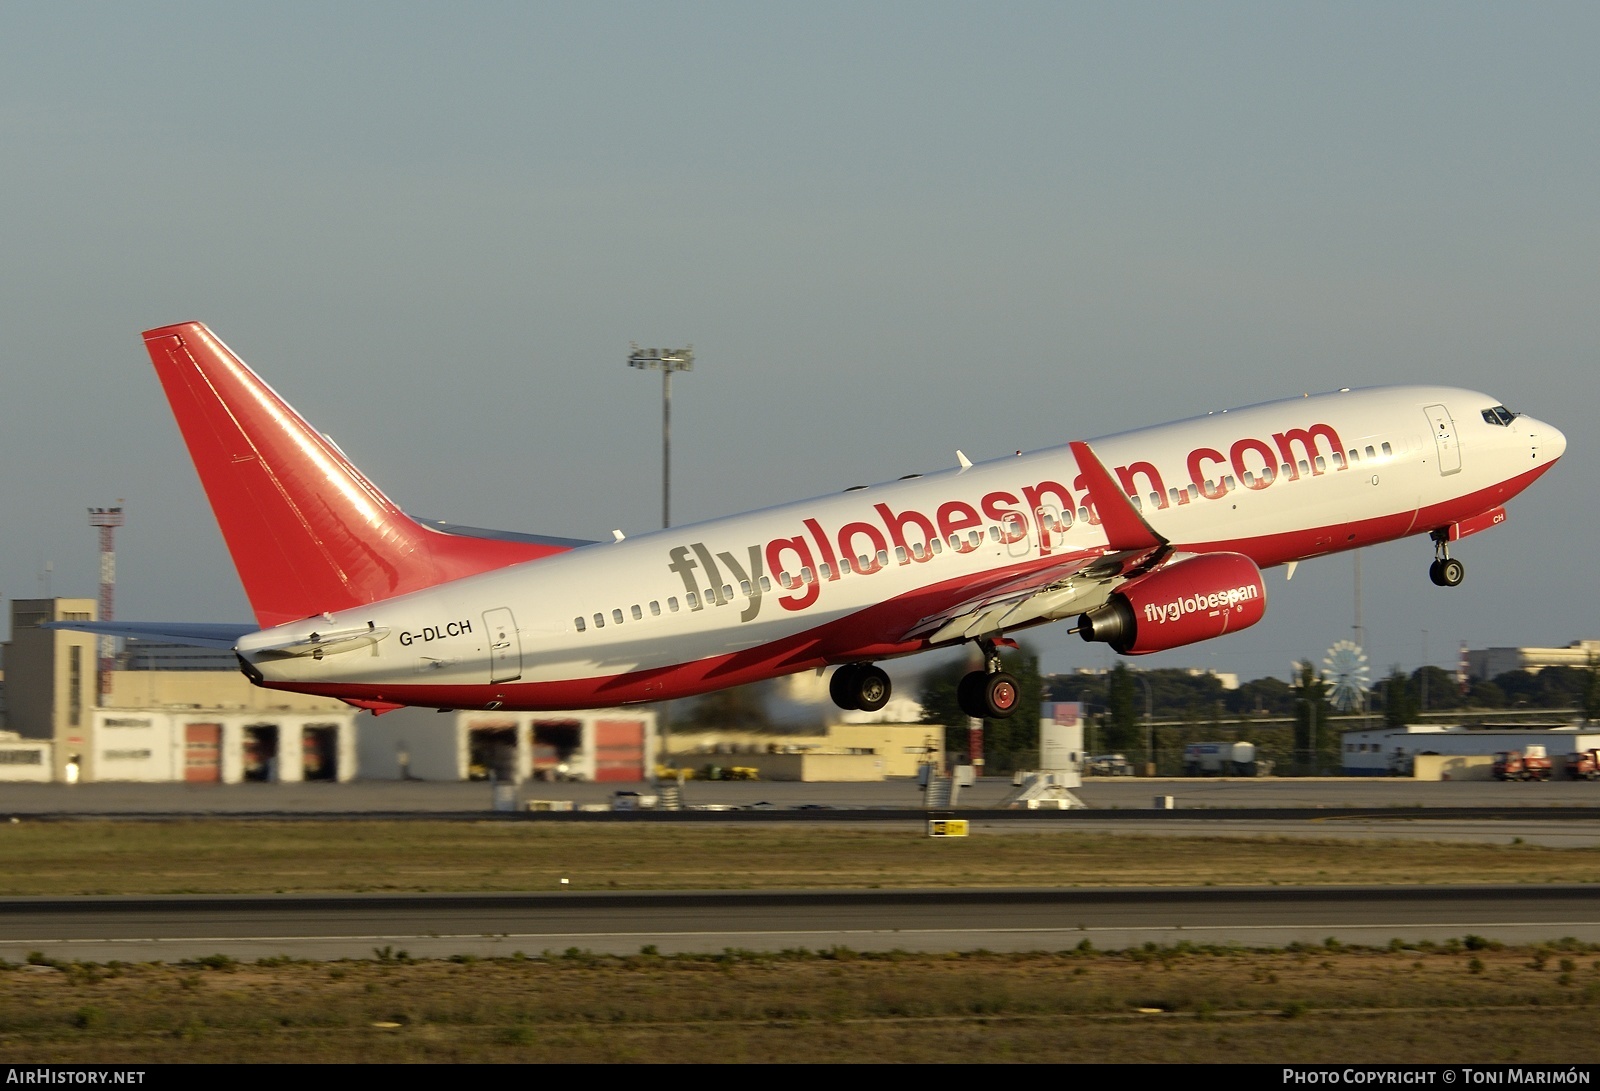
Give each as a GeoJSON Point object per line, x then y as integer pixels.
{"type": "Point", "coordinates": [1125, 528]}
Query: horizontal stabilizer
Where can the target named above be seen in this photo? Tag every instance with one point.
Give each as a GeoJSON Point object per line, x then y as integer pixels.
{"type": "Point", "coordinates": [196, 634]}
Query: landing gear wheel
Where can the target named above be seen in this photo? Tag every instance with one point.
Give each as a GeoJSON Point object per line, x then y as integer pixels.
{"type": "Point", "coordinates": [872, 689]}
{"type": "Point", "coordinates": [1000, 695]}
{"type": "Point", "coordinates": [1451, 573]}
{"type": "Point", "coordinates": [1433, 573]}
{"type": "Point", "coordinates": [969, 694]}
{"type": "Point", "coordinates": [860, 686]}
{"type": "Point", "coordinates": [842, 686]}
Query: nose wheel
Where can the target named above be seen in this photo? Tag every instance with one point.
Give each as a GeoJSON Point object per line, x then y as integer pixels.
{"type": "Point", "coordinates": [1445, 570]}
{"type": "Point", "coordinates": [859, 686]}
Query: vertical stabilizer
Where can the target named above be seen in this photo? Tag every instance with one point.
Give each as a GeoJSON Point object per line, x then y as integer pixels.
{"type": "Point", "coordinates": [307, 531]}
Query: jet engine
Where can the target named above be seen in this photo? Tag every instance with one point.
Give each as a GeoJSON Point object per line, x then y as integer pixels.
{"type": "Point", "coordinates": [1192, 598]}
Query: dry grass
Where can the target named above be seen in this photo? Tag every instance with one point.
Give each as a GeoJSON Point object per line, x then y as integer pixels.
{"type": "Point", "coordinates": [93, 857]}
{"type": "Point", "coordinates": [1445, 1005]}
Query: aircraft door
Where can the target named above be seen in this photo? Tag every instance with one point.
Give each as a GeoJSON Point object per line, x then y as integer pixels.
{"type": "Point", "coordinates": [505, 646]}
{"type": "Point", "coordinates": [1444, 435]}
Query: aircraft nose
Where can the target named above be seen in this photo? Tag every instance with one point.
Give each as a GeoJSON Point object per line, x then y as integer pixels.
{"type": "Point", "coordinates": [1552, 441]}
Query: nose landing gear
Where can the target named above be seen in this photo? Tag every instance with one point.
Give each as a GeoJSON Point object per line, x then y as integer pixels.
{"type": "Point", "coordinates": [990, 693]}
{"type": "Point", "coordinates": [1445, 570]}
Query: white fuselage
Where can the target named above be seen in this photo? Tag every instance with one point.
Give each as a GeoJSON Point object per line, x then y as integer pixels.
{"type": "Point", "coordinates": [845, 577]}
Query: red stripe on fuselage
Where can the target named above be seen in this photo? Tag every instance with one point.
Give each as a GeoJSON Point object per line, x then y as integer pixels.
{"type": "Point", "coordinates": [872, 633]}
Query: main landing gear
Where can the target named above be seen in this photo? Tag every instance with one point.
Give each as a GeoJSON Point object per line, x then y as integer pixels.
{"type": "Point", "coordinates": [1445, 570]}
{"type": "Point", "coordinates": [989, 694]}
{"type": "Point", "coordinates": [859, 686]}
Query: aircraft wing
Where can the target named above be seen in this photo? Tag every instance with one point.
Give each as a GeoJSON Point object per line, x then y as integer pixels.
{"type": "Point", "coordinates": [198, 634]}
{"type": "Point", "coordinates": [1077, 583]}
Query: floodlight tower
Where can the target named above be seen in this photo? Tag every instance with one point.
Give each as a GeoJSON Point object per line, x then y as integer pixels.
{"type": "Point", "coordinates": [108, 520]}
{"type": "Point", "coordinates": [668, 361]}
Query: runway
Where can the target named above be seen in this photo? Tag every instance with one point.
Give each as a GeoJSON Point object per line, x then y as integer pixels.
{"type": "Point", "coordinates": [174, 928]}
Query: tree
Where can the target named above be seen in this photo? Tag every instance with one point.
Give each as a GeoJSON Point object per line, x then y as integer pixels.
{"type": "Point", "coordinates": [1009, 743]}
{"type": "Point", "coordinates": [742, 708]}
{"type": "Point", "coordinates": [1436, 687]}
{"type": "Point", "coordinates": [1399, 705]}
{"type": "Point", "coordinates": [1591, 691]}
{"type": "Point", "coordinates": [1312, 734]}
{"type": "Point", "coordinates": [1122, 711]}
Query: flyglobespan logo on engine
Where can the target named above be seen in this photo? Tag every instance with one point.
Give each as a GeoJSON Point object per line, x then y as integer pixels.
{"type": "Point", "coordinates": [1194, 604]}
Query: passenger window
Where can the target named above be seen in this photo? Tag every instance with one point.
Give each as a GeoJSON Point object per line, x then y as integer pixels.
{"type": "Point", "coordinates": [917, 550]}
{"type": "Point", "coordinates": [577, 623]}
{"type": "Point", "coordinates": [1138, 505]}
{"type": "Point", "coordinates": [1371, 453]}
{"type": "Point", "coordinates": [883, 557]}
{"type": "Point", "coordinates": [1388, 451]}
{"type": "Point", "coordinates": [1083, 514]}
{"type": "Point", "coordinates": [599, 621]}
{"type": "Point", "coordinates": [672, 603]}
{"type": "Point", "coordinates": [785, 580]}
{"type": "Point", "coordinates": [744, 588]}
{"type": "Point", "coordinates": [638, 614]}
{"type": "Point", "coordinates": [825, 571]}
{"type": "Point", "coordinates": [692, 599]}
{"type": "Point", "coordinates": [1194, 490]}
{"type": "Point", "coordinates": [900, 554]}
{"type": "Point", "coordinates": [865, 562]}
{"type": "Point", "coordinates": [806, 575]}
{"type": "Point", "coordinates": [727, 594]}
{"type": "Point", "coordinates": [1248, 478]}
{"type": "Point", "coordinates": [1155, 498]}
{"type": "Point", "coordinates": [616, 616]}
{"type": "Point", "coordinates": [1304, 469]}
{"type": "Point", "coordinates": [1172, 496]}
{"type": "Point", "coordinates": [655, 608]}
{"type": "Point", "coordinates": [1338, 461]}
{"type": "Point", "coordinates": [1228, 483]}
{"type": "Point", "coordinates": [936, 545]}
{"type": "Point", "coordinates": [1322, 463]}
{"type": "Point", "coordinates": [766, 584]}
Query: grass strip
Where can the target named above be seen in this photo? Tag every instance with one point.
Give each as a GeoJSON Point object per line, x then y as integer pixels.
{"type": "Point", "coordinates": [124, 857]}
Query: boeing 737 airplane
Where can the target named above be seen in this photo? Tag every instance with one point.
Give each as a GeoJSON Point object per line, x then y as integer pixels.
{"type": "Point", "coordinates": [1151, 539]}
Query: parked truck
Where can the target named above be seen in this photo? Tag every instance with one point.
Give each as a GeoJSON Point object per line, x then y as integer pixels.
{"type": "Point", "coordinates": [1529, 764]}
{"type": "Point", "coordinates": [1584, 765]}
{"type": "Point", "coordinates": [1211, 759]}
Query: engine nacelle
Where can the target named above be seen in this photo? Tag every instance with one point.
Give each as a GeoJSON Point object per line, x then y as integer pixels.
{"type": "Point", "coordinates": [1192, 599]}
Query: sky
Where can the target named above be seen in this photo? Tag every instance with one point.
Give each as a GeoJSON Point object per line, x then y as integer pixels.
{"type": "Point", "coordinates": [889, 230]}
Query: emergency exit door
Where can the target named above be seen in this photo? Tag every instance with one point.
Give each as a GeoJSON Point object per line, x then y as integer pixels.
{"type": "Point", "coordinates": [505, 646]}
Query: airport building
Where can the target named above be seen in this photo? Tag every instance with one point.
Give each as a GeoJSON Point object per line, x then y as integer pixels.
{"type": "Point", "coordinates": [1486, 663]}
{"type": "Point", "coordinates": [176, 713]}
{"type": "Point", "coordinates": [616, 745]}
{"type": "Point", "coordinates": [1397, 751]}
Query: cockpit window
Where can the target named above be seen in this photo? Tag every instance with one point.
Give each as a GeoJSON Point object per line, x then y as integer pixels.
{"type": "Point", "coordinates": [1499, 415]}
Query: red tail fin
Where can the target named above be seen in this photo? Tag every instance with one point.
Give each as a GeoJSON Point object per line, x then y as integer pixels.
{"type": "Point", "coordinates": [308, 533]}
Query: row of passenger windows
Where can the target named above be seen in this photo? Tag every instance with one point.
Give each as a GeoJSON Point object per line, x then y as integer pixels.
{"type": "Point", "coordinates": [866, 563]}
{"type": "Point", "coordinates": [692, 600]}
{"type": "Point", "coordinates": [1266, 476]}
